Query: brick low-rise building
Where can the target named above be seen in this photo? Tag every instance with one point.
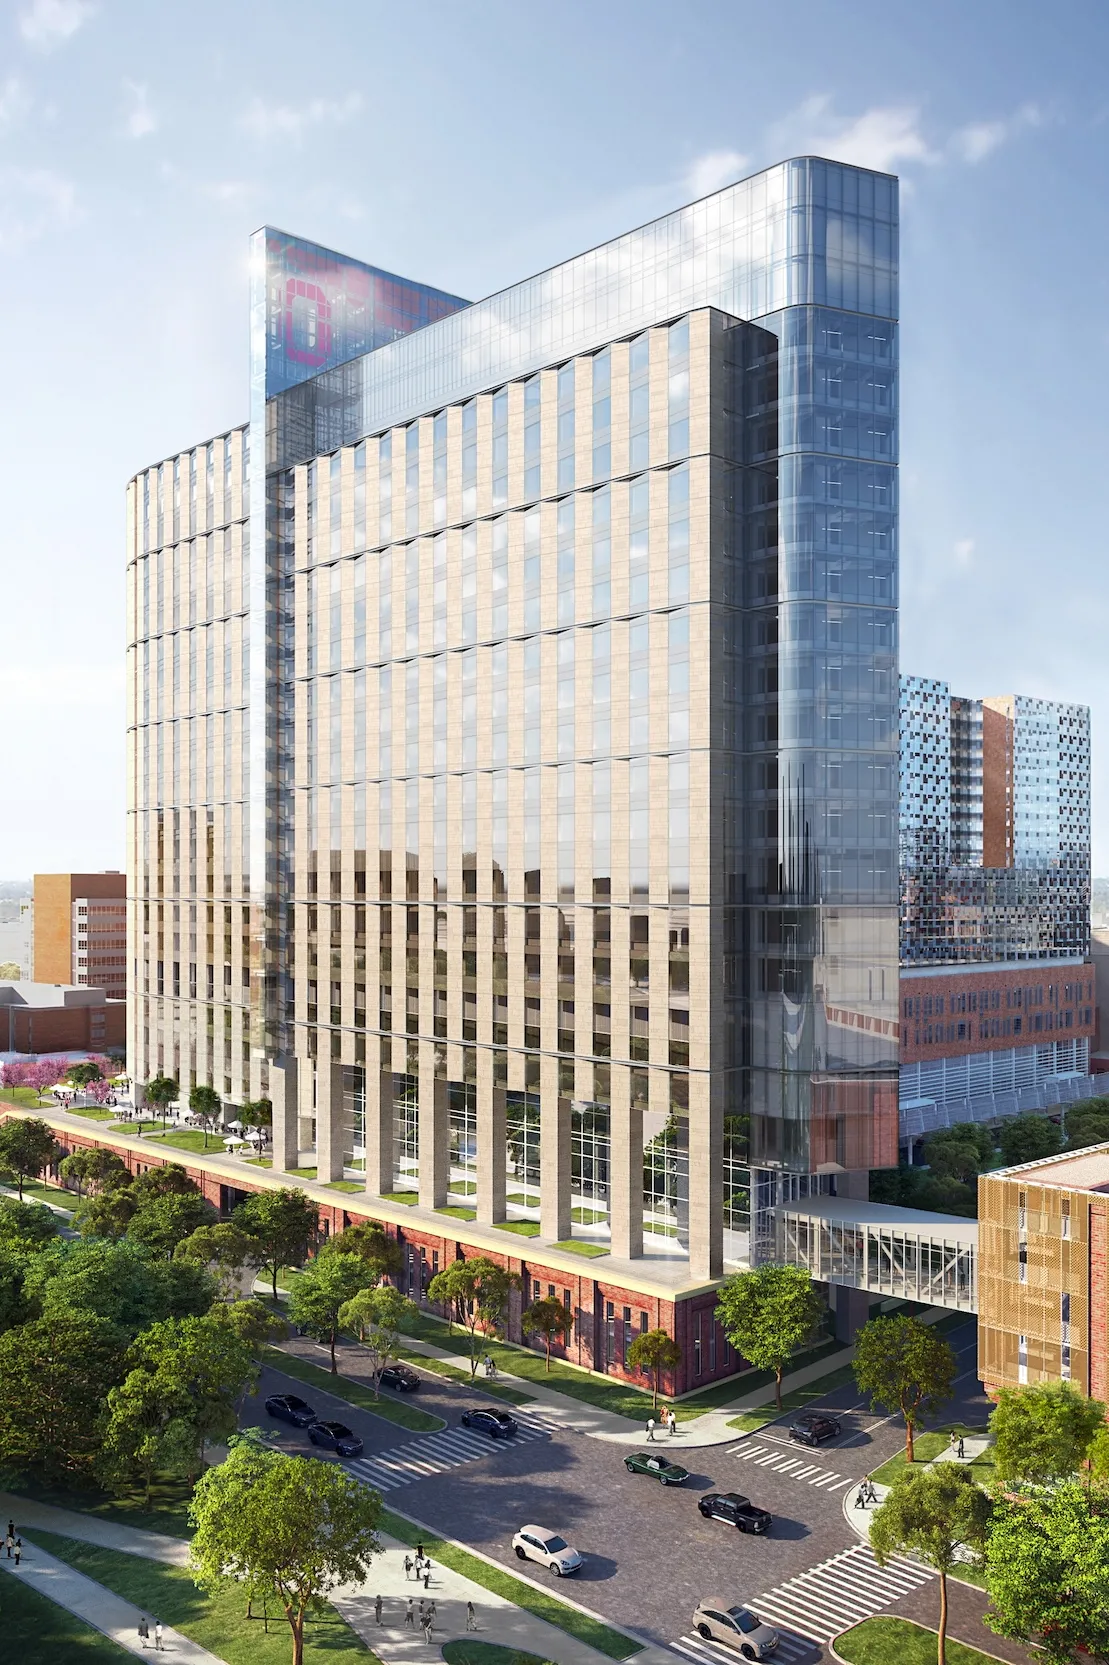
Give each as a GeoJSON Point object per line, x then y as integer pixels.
{"type": "Point", "coordinates": [80, 930]}
{"type": "Point", "coordinates": [60, 1017]}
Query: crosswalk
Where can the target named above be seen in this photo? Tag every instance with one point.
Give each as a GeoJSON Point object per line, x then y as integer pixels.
{"type": "Point", "coordinates": [796, 1468]}
{"type": "Point", "coordinates": [840, 1592]}
{"type": "Point", "coordinates": [401, 1465]}
{"type": "Point", "coordinates": [791, 1650]}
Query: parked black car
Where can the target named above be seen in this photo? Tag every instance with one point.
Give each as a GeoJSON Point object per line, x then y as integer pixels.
{"type": "Point", "coordinates": [497, 1424]}
{"type": "Point", "coordinates": [813, 1428]}
{"type": "Point", "coordinates": [289, 1407]}
{"type": "Point", "coordinates": [336, 1436]}
{"type": "Point", "coordinates": [736, 1510]}
{"type": "Point", "coordinates": [401, 1377]}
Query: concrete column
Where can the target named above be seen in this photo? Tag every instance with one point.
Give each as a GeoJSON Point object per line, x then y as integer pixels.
{"type": "Point", "coordinates": [851, 1308]}
{"type": "Point", "coordinates": [284, 1096]}
{"type": "Point", "coordinates": [329, 1119]}
{"type": "Point", "coordinates": [706, 1166]}
{"type": "Point", "coordinates": [380, 1128]}
{"type": "Point", "coordinates": [625, 1169]}
{"type": "Point", "coordinates": [554, 1156]}
{"type": "Point", "coordinates": [491, 1143]}
{"type": "Point", "coordinates": [435, 1132]}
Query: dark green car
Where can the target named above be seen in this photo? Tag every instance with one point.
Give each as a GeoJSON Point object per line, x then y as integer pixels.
{"type": "Point", "coordinates": [645, 1462]}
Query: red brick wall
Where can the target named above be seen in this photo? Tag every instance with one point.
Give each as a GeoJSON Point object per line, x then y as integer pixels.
{"type": "Point", "coordinates": [63, 1028]}
{"type": "Point", "coordinates": [994, 1010]}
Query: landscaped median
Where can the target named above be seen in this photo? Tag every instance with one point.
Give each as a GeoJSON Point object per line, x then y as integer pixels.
{"type": "Point", "coordinates": [898, 1642]}
{"type": "Point", "coordinates": [343, 1387]}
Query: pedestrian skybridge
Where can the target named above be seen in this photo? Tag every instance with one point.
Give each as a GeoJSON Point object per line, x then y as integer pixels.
{"type": "Point", "coordinates": [886, 1251]}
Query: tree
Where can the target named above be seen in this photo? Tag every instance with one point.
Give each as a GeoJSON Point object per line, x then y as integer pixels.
{"type": "Point", "coordinates": [548, 1318]}
{"type": "Point", "coordinates": [1047, 1568]}
{"type": "Point", "coordinates": [84, 1074]}
{"type": "Point", "coordinates": [27, 1146]}
{"type": "Point", "coordinates": [168, 1180]}
{"type": "Point", "coordinates": [370, 1240]}
{"type": "Point", "coordinates": [26, 1227]}
{"type": "Point", "coordinates": [905, 1366]}
{"type": "Point", "coordinates": [207, 1105]}
{"type": "Point", "coordinates": [959, 1152]}
{"type": "Point", "coordinates": [1087, 1123]}
{"type": "Point", "coordinates": [253, 1322]}
{"type": "Point", "coordinates": [768, 1314]}
{"type": "Point", "coordinates": [56, 1372]}
{"type": "Point", "coordinates": [323, 1288]}
{"type": "Point", "coordinates": [379, 1316]}
{"type": "Point", "coordinates": [1043, 1432]}
{"type": "Point", "coordinates": [118, 1282]}
{"type": "Point", "coordinates": [1026, 1138]}
{"type": "Point", "coordinates": [284, 1529]}
{"type": "Point", "coordinates": [226, 1249]}
{"type": "Point", "coordinates": [147, 1430]}
{"type": "Point", "coordinates": [654, 1352]}
{"type": "Point", "coordinates": [477, 1291]}
{"type": "Point", "coordinates": [11, 971]}
{"type": "Point", "coordinates": [1098, 1456]}
{"type": "Point", "coordinates": [107, 1214]}
{"type": "Point", "coordinates": [161, 1093]}
{"type": "Point", "coordinates": [163, 1222]}
{"type": "Point", "coordinates": [257, 1112]}
{"type": "Point", "coordinates": [285, 1224]}
{"type": "Point", "coordinates": [932, 1513]}
{"type": "Point", "coordinates": [97, 1169]}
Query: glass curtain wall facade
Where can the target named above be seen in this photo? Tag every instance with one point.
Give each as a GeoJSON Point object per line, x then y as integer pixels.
{"type": "Point", "coordinates": [571, 718]}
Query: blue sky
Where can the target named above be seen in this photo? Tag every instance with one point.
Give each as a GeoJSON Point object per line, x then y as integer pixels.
{"type": "Point", "coordinates": [470, 146]}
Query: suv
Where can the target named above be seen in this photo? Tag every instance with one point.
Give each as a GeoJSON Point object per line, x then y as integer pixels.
{"type": "Point", "coordinates": [336, 1436]}
{"type": "Point", "coordinates": [497, 1424]}
{"type": "Point", "coordinates": [401, 1377]}
{"type": "Point", "coordinates": [736, 1510]}
{"type": "Point", "coordinates": [289, 1407]}
{"type": "Point", "coordinates": [813, 1429]}
{"type": "Point", "coordinates": [737, 1626]}
{"type": "Point", "coordinates": [535, 1543]}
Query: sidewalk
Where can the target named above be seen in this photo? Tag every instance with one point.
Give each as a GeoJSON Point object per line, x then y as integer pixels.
{"type": "Point", "coordinates": [859, 1516]}
{"type": "Point", "coordinates": [90, 1529]}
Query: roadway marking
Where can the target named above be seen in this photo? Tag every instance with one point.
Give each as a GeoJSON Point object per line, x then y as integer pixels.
{"type": "Point", "coordinates": [840, 1592]}
{"type": "Point", "coordinates": [812, 1474]}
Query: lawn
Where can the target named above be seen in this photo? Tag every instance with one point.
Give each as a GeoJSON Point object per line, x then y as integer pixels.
{"type": "Point", "coordinates": [35, 1190]}
{"type": "Point", "coordinates": [576, 1246]}
{"type": "Point", "coordinates": [457, 1213]}
{"type": "Point", "coordinates": [466, 1650]}
{"type": "Point", "coordinates": [167, 1511]}
{"type": "Point", "coordinates": [391, 1410]}
{"type": "Point", "coordinates": [91, 1112]}
{"type": "Point", "coordinates": [897, 1642]}
{"type": "Point", "coordinates": [408, 1198]}
{"type": "Point", "coordinates": [582, 1625]}
{"type": "Point", "coordinates": [38, 1632]}
{"type": "Point", "coordinates": [218, 1623]}
{"type": "Point", "coordinates": [522, 1228]}
{"type": "Point", "coordinates": [190, 1138]}
{"type": "Point", "coordinates": [798, 1399]}
{"type": "Point", "coordinates": [352, 1185]}
{"type": "Point", "coordinates": [929, 1443]}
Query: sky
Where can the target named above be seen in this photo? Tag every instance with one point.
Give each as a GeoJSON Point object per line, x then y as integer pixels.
{"type": "Point", "coordinates": [469, 147]}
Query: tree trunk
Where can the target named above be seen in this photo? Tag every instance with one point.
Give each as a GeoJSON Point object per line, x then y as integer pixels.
{"type": "Point", "coordinates": [778, 1389]}
{"type": "Point", "coordinates": [941, 1635]}
{"type": "Point", "coordinates": [654, 1390]}
{"type": "Point", "coordinates": [909, 1440]}
{"type": "Point", "coordinates": [548, 1352]}
{"type": "Point", "coordinates": [273, 1270]}
{"type": "Point", "coordinates": [296, 1625]}
{"type": "Point", "coordinates": [20, 1179]}
{"type": "Point", "coordinates": [334, 1366]}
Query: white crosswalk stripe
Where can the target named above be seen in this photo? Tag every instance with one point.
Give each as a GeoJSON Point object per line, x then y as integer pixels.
{"type": "Point", "coordinates": [791, 1650]}
{"type": "Point", "coordinates": [401, 1465]}
{"type": "Point", "coordinates": [841, 1592]}
{"type": "Point", "coordinates": [796, 1467]}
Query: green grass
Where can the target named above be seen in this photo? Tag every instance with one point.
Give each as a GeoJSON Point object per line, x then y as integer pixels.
{"type": "Point", "coordinates": [897, 1642]}
{"type": "Point", "coordinates": [797, 1400]}
{"type": "Point", "coordinates": [37, 1190]}
{"type": "Point", "coordinates": [588, 1216]}
{"type": "Point", "coordinates": [611, 1642]}
{"type": "Point", "coordinates": [167, 1512]}
{"type": "Point", "coordinates": [92, 1112]}
{"type": "Point", "coordinates": [305, 1173]}
{"type": "Point", "coordinates": [28, 1097]}
{"type": "Point", "coordinates": [463, 1188]}
{"type": "Point", "coordinates": [522, 1199]}
{"type": "Point", "coordinates": [391, 1410]}
{"type": "Point", "coordinates": [133, 1129]}
{"type": "Point", "coordinates": [928, 1444]}
{"type": "Point", "coordinates": [218, 1623]}
{"type": "Point", "coordinates": [577, 1247]}
{"type": "Point", "coordinates": [522, 1228]}
{"type": "Point", "coordinates": [38, 1632]}
{"type": "Point", "coordinates": [408, 1198]}
{"type": "Point", "coordinates": [460, 1376]}
{"type": "Point", "coordinates": [458, 1213]}
{"type": "Point", "coordinates": [468, 1651]}
{"type": "Point", "coordinates": [344, 1185]}
{"type": "Point", "coordinates": [191, 1138]}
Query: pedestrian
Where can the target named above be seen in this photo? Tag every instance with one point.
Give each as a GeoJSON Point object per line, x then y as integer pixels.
{"type": "Point", "coordinates": [419, 1553]}
{"type": "Point", "coordinates": [144, 1631]}
{"type": "Point", "coordinates": [408, 1566]}
{"type": "Point", "coordinates": [650, 1428]}
{"type": "Point", "coordinates": [9, 1541]}
{"type": "Point", "coordinates": [427, 1575]}
{"type": "Point", "coordinates": [377, 1609]}
{"type": "Point", "coordinates": [471, 1617]}
{"type": "Point", "coordinates": [427, 1629]}
{"type": "Point", "coordinates": [409, 1615]}
{"type": "Point", "coordinates": [953, 1445]}
{"type": "Point", "coordinates": [18, 1550]}
{"type": "Point", "coordinates": [11, 1529]}
{"type": "Point", "coordinates": [860, 1497]}
{"type": "Point", "coordinates": [673, 1421]}
{"type": "Point", "coordinates": [871, 1491]}
{"type": "Point", "coordinates": [962, 1450]}
{"type": "Point", "coordinates": [158, 1634]}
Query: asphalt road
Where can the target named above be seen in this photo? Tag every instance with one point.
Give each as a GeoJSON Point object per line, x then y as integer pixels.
{"type": "Point", "coordinates": [649, 1556]}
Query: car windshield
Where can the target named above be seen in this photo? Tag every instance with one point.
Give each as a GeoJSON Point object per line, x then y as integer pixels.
{"type": "Point", "coordinates": [743, 1618]}
{"type": "Point", "coordinates": [340, 1431]}
{"type": "Point", "coordinates": [553, 1545]}
{"type": "Point", "coordinates": [294, 1403]}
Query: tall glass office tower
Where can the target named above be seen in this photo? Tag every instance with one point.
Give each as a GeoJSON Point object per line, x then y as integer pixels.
{"type": "Point", "coordinates": [550, 874]}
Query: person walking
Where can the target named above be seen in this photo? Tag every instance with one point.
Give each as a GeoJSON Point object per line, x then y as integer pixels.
{"type": "Point", "coordinates": [419, 1553]}
{"type": "Point", "coordinates": [860, 1497]}
{"type": "Point", "coordinates": [11, 1529]}
{"type": "Point", "coordinates": [961, 1450]}
{"type": "Point", "coordinates": [651, 1429]}
{"type": "Point", "coordinates": [158, 1636]}
{"type": "Point", "coordinates": [471, 1617]}
{"type": "Point", "coordinates": [871, 1491]}
{"type": "Point", "coordinates": [377, 1609]}
{"type": "Point", "coordinates": [144, 1631]}
{"type": "Point", "coordinates": [427, 1575]}
{"type": "Point", "coordinates": [409, 1615]}
{"type": "Point", "coordinates": [18, 1550]}
{"type": "Point", "coordinates": [427, 1629]}
{"type": "Point", "coordinates": [408, 1567]}
{"type": "Point", "coordinates": [673, 1421]}
{"type": "Point", "coordinates": [9, 1541]}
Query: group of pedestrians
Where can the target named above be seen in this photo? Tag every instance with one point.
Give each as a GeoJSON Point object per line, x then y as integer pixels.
{"type": "Point", "coordinates": [421, 1566]}
{"type": "Point", "coordinates": [145, 1634]}
{"type": "Point", "coordinates": [866, 1493]}
{"type": "Point", "coordinates": [13, 1544]}
{"type": "Point", "coordinates": [667, 1420]}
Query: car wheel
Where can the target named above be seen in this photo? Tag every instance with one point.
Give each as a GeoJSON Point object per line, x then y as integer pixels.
{"type": "Point", "coordinates": [703, 1630]}
{"type": "Point", "coordinates": [663, 1480]}
{"type": "Point", "coordinates": [748, 1652]}
{"type": "Point", "coordinates": [557, 1570]}
{"type": "Point", "coordinates": [629, 1468]}
{"type": "Point", "coordinates": [520, 1556]}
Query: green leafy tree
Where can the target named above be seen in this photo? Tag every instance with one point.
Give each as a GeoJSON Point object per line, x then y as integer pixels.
{"type": "Point", "coordinates": [253, 1322]}
{"type": "Point", "coordinates": [164, 1222]}
{"type": "Point", "coordinates": [225, 1249]}
{"type": "Point", "coordinates": [1047, 1568]}
{"type": "Point", "coordinates": [1043, 1432]}
{"type": "Point", "coordinates": [257, 1112]}
{"type": "Point", "coordinates": [1027, 1138]}
{"type": "Point", "coordinates": [654, 1352]}
{"type": "Point", "coordinates": [83, 1075]}
{"type": "Point", "coordinates": [476, 1293]}
{"type": "Point", "coordinates": [27, 1147]}
{"type": "Point", "coordinates": [905, 1366]}
{"type": "Point", "coordinates": [322, 1290]}
{"type": "Point", "coordinates": [768, 1314]}
{"type": "Point", "coordinates": [161, 1093]}
{"type": "Point", "coordinates": [281, 1529]}
{"type": "Point", "coordinates": [380, 1251]}
{"type": "Point", "coordinates": [1087, 1123]}
{"type": "Point", "coordinates": [26, 1227]}
{"type": "Point", "coordinates": [167, 1180]}
{"type": "Point", "coordinates": [200, 1367]}
{"type": "Point", "coordinates": [1098, 1456]}
{"type": "Point", "coordinates": [207, 1106]}
{"type": "Point", "coordinates": [94, 1170]}
{"type": "Point", "coordinates": [108, 1214]}
{"type": "Point", "coordinates": [960, 1152]}
{"type": "Point", "coordinates": [14, 1305]}
{"type": "Point", "coordinates": [118, 1282]}
{"type": "Point", "coordinates": [56, 1372]}
{"type": "Point", "coordinates": [147, 1432]}
{"type": "Point", "coordinates": [285, 1224]}
{"type": "Point", "coordinates": [379, 1315]}
{"type": "Point", "coordinates": [549, 1319]}
{"type": "Point", "coordinates": [932, 1513]}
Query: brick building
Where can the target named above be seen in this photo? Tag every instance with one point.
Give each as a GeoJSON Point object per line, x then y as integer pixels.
{"type": "Point", "coordinates": [57, 1017]}
{"type": "Point", "coordinates": [80, 930]}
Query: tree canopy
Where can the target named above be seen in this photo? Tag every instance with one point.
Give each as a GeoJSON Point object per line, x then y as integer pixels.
{"type": "Point", "coordinates": [370, 1240]}
{"type": "Point", "coordinates": [322, 1290]}
{"type": "Point", "coordinates": [27, 1146]}
{"type": "Point", "coordinates": [1027, 1137]}
{"type": "Point", "coordinates": [379, 1315]}
{"type": "Point", "coordinates": [475, 1293]}
{"type": "Point", "coordinates": [548, 1318]}
{"type": "Point", "coordinates": [768, 1314]}
{"type": "Point", "coordinates": [1047, 1566]}
{"type": "Point", "coordinates": [1043, 1432]}
{"type": "Point", "coordinates": [932, 1513]}
{"type": "Point", "coordinates": [653, 1352]}
{"type": "Point", "coordinates": [56, 1372]}
{"type": "Point", "coordinates": [119, 1282]}
{"type": "Point", "coordinates": [905, 1366]}
{"type": "Point", "coordinates": [225, 1249]}
{"type": "Point", "coordinates": [285, 1224]}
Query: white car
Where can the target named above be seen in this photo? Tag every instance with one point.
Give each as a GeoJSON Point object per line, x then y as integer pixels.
{"type": "Point", "coordinates": [535, 1543]}
{"type": "Point", "coordinates": [737, 1626]}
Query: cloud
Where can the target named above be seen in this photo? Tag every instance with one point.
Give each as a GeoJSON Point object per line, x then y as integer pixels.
{"type": "Point", "coordinates": [32, 202]}
{"type": "Point", "coordinates": [15, 102]}
{"type": "Point", "coordinates": [980, 139]}
{"type": "Point", "coordinates": [285, 121]}
{"type": "Point", "coordinates": [882, 138]}
{"type": "Point", "coordinates": [140, 120]}
{"type": "Point", "coordinates": [713, 171]}
{"type": "Point", "coordinates": [964, 551]}
{"type": "Point", "coordinates": [50, 23]}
